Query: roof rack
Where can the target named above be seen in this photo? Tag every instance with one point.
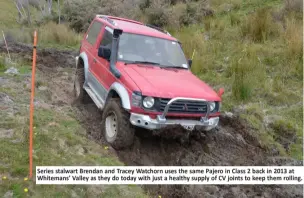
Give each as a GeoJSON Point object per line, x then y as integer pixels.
{"type": "Point", "coordinates": [111, 18]}
{"type": "Point", "coordinates": [158, 28]}
{"type": "Point", "coordinates": [107, 18]}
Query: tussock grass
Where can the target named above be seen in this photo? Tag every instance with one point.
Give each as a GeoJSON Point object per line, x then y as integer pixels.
{"type": "Point", "coordinates": [248, 74]}
{"type": "Point", "coordinates": [59, 34]}
{"type": "Point", "coordinates": [294, 39]}
{"type": "Point", "coordinates": [50, 34]}
{"type": "Point", "coordinates": [260, 26]}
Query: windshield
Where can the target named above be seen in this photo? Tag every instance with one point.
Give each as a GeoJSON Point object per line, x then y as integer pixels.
{"type": "Point", "coordinates": [146, 49]}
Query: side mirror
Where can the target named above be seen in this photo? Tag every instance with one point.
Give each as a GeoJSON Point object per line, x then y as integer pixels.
{"type": "Point", "coordinates": [221, 92]}
{"type": "Point", "coordinates": [104, 52]}
{"type": "Point", "coordinates": [190, 63]}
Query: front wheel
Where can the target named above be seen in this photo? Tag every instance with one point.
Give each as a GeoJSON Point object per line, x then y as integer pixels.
{"type": "Point", "coordinates": [116, 127]}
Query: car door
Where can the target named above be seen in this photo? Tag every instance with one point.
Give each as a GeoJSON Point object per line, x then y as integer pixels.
{"type": "Point", "coordinates": [100, 66]}
{"type": "Point", "coordinates": [92, 44]}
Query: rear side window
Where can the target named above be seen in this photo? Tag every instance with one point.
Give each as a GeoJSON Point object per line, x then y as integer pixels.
{"type": "Point", "coordinates": [93, 32]}
{"type": "Point", "coordinates": [106, 39]}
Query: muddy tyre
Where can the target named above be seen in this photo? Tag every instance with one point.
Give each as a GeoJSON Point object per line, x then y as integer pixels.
{"type": "Point", "coordinates": [80, 95]}
{"type": "Point", "coordinates": [116, 127]}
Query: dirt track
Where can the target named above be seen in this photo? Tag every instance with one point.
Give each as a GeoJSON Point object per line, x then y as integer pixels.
{"type": "Point", "coordinates": [230, 144]}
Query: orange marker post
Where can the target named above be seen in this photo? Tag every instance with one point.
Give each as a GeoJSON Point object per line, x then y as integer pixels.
{"type": "Point", "coordinates": [32, 105]}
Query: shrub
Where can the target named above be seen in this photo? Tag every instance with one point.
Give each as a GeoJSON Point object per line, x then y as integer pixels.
{"type": "Point", "coordinates": [80, 13]}
{"type": "Point", "coordinates": [294, 5]}
{"type": "Point", "coordinates": [144, 4]}
{"type": "Point", "coordinates": [157, 15]}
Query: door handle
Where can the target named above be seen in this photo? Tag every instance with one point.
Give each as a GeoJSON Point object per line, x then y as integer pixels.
{"type": "Point", "coordinates": [94, 60]}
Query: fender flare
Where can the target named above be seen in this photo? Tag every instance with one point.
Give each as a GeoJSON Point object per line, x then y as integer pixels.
{"type": "Point", "coordinates": [123, 94]}
{"type": "Point", "coordinates": [84, 57]}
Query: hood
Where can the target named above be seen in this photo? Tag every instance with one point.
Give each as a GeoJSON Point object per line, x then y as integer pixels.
{"type": "Point", "coordinates": [169, 82]}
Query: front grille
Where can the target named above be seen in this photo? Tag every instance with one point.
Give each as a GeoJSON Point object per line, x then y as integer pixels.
{"type": "Point", "coordinates": [183, 106]}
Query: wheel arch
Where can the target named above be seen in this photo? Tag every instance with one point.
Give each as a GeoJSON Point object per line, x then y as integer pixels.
{"type": "Point", "coordinates": [83, 58]}
{"type": "Point", "coordinates": [117, 90]}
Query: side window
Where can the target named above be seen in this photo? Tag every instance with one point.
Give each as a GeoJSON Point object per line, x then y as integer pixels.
{"type": "Point", "coordinates": [106, 39]}
{"type": "Point", "coordinates": [93, 32]}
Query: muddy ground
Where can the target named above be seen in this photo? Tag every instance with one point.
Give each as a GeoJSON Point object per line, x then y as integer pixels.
{"type": "Point", "coordinates": [232, 143]}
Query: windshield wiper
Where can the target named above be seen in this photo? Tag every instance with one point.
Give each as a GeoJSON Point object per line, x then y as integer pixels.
{"type": "Point", "coordinates": [142, 62]}
{"type": "Point", "coordinates": [175, 67]}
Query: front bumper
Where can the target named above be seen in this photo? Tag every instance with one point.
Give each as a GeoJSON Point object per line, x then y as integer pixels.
{"type": "Point", "coordinates": [145, 121]}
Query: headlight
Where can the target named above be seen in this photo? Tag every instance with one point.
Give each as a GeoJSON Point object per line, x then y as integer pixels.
{"type": "Point", "coordinates": [212, 106]}
{"type": "Point", "coordinates": [148, 102]}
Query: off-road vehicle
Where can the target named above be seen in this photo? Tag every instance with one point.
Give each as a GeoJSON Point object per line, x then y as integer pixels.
{"type": "Point", "coordinates": [138, 75]}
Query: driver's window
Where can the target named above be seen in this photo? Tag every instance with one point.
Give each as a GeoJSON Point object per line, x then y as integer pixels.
{"type": "Point", "coordinates": [107, 39]}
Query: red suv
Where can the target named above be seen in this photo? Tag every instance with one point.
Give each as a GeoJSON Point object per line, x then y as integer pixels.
{"type": "Point", "coordinates": [139, 77]}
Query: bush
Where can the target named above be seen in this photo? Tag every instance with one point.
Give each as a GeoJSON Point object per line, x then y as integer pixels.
{"type": "Point", "coordinates": [156, 12]}
{"type": "Point", "coordinates": [81, 13]}
{"type": "Point", "coordinates": [294, 5]}
{"type": "Point", "coordinates": [144, 4]}
{"type": "Point", "coordinates": [157, 16]}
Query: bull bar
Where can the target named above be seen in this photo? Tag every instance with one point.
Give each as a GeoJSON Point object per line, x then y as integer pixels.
{"type": "Point", "coordinates": [145, 121]}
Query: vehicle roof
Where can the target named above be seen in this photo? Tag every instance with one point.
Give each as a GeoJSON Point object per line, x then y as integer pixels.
{"type": "Point", "coordinates": [135, 27]}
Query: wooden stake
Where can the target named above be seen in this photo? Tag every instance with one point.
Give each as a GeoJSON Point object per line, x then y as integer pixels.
{"type": "Point", "coordinates": [9, 56]}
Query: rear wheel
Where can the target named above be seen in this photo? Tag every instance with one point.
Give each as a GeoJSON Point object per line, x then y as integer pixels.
{"type": "Point", "coordinates": [80, 95]}
{"type": "Point", "coordinates": [116, 127]}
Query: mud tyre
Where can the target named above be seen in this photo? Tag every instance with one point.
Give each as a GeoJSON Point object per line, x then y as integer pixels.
{"type": "Point", "coordinates": [80, 95]}
{"type": "Point", "coordinates": [116, 127]}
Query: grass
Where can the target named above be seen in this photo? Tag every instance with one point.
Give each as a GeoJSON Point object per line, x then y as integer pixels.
{"type": "Point", "coordinates": [256, 56]}
{"type": "Point", "coordinates": [8, 18]}
{"type": "Point", "coordinates": [50, 34]}
{"type": "Point", "coordinates": [58, 140]}
{"type": "Point", "coordinates": [259, 62]}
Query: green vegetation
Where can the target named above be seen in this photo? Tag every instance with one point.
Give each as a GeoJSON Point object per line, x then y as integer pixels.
{"type": "Point", "coordinates": [50, 33]}
{"type": "Point", "coordinates": [254, 49]}
{"type": "Point", "coordinates": [58, 140]}
{"type": "Point", "coordinates": [257, 59]}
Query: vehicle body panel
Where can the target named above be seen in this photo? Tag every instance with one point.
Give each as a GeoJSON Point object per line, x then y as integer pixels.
{"type": "Point", "coordinates": [169, 82]}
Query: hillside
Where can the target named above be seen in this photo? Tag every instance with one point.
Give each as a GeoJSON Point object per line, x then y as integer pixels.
{"type": "Point", "coordinates": [254, 49]}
